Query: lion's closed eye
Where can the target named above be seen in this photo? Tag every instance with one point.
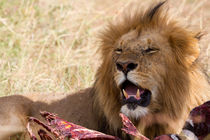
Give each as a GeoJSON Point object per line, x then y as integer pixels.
{"type": "Point", "coordinates": [118, 51]}
{"type": "Point", "coordinates": [150, 50]}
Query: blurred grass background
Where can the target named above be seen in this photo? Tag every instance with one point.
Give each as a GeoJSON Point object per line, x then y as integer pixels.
{"type": "Point", "coordinates": [50, 45]}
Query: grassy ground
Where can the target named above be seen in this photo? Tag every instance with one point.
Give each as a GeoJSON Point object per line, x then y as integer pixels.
{"type": "Point", "coordinates": [50, 45]}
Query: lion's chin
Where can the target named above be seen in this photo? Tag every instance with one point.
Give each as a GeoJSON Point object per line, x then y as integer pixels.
{"type": "Point", "coordinates": [136, 113]}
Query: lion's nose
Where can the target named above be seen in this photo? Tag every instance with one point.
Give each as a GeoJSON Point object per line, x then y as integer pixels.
{"type": "Point", "coordinates": [125, 67]}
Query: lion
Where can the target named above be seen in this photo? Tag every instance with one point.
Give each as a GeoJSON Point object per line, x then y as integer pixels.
{"type": "Point", "coordinates": [150, 72]}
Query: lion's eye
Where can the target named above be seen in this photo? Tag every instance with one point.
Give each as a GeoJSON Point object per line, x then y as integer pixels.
{"type": "Point", "coordinates": [118, 51]}
{"type": "Point", "coordinates": [150, 50]}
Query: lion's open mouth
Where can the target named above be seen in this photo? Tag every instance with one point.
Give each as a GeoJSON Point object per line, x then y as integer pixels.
{"type": "Point", "coordinates": [134, 95]}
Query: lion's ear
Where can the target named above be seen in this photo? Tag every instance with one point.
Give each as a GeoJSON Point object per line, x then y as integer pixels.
{"type": "Point", "coordinates": [195, 46]}
{"type": "Point", "coordinates": [199, 35]}
{"type": "Point", "coordinates": [185, 47]}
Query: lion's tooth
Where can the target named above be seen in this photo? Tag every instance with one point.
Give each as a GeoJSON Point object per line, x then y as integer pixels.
{"type": "Point", "coordinates": [125, 94]}
{"type": "Point", "coordinates": [138, 94]}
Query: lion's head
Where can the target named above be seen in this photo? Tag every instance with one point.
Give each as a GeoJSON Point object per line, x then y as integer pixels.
{"type": "Point", "coordinates": [146, 60]}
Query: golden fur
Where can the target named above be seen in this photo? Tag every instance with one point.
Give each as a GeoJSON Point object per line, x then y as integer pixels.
{"type": "Point", "coordinates": [180, 82]}
{"type": "Point", "coordinates": [172, 74]}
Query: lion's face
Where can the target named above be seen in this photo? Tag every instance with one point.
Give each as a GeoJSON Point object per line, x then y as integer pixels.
{"type": "Point", "coordinates": [139, 62]}
{"type": "Point", "coordinates": [146, 59]}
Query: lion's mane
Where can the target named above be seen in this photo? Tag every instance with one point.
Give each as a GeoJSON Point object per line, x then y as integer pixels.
{"type": "Point", "coordinates": [180, 89]}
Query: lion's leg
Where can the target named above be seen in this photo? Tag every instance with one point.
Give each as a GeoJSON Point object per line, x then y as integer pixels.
{"type": "Point", "coordinates": [7, 130]}
{"type": "Point", "coordinates": [157, 130]}
{"type": "Point", "coordinates": [13, 115]}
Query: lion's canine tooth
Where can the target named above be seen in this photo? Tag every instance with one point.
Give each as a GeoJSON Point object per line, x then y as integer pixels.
{"type": "Point", "coordinates": [138, 93]}
{"type": "Point", "coordinates": [125, 94]}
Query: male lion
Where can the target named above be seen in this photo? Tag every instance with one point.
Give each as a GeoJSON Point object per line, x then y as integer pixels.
{"type": "Point", "coordinates": [149, 72]}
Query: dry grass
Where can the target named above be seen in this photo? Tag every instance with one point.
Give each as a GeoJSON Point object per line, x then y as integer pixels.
{"type": "Point", "coordinates": [50, 45]}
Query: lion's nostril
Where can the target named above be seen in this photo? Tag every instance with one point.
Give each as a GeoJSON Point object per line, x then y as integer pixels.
{"type": "Point", "coordinates": [132, 66]}
{"type": "Point", "coordinates": [119, 66]}
{"type": "Point", "coordinates": [126, 66]}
